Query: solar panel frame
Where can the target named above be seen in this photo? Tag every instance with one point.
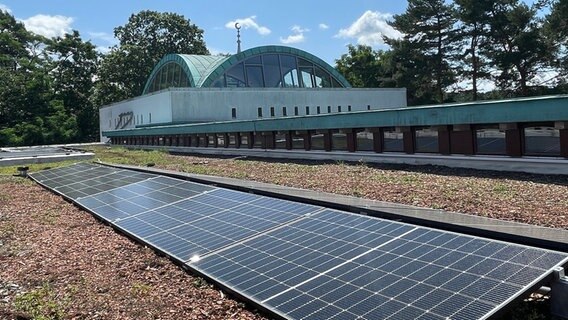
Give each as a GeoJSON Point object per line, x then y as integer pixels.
{"type": "Point", "coordinates": [447, 303]}
{"type": "Point", "coordinates": [465, 276]}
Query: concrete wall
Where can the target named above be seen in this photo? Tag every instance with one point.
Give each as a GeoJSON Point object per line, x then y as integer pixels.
{"type": "Point", "coordinates": [148, 109]}
{"type": "Point", "coordinates": [212, 104]}
{"type": "Point", "coordinates": [215, 104]}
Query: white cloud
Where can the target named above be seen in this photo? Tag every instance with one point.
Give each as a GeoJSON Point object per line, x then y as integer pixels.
{"type": "Point", "coordinates": [106, 37]}
{"type": "Point", "coordinates": [323, 26]}
{"type": "Point", "coordinates": [293, 38]}
{"type": "Point", "coordinates": [5, 8]}
{"type": "Point", "coordinates": [297, 35]}
{"type": "Point", "coordinates": [298, 29]}
{"type": "Point", "coordinates": [370, 28]}
{"type": "Point", "coordinates": [49, 26]}
{"type": "Point", "coordinates": [247, 23]}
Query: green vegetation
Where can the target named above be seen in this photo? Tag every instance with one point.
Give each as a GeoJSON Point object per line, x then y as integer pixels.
{"type": "Point", "coordinates": [521, 49]}
{"type": "Point", "coordinates": [141, 289]}
{"type": "Point", "coordinates": [51, 89]}
{"type": "Point", "coordinates": [41, 304]}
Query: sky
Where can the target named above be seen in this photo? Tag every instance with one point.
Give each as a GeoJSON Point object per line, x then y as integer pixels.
{"type": "Point", "coordinates": [323, 28]}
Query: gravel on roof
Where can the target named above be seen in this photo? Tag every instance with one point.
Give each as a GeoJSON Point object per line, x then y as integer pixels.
{"type": "Point", "coordinates": [58, 261]}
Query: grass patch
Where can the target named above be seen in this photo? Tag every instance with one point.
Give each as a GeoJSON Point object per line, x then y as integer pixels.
{"type": "Point", "coordinates": [501, 188]}
{"type": "Point", "coordinates": [141, 289]}
{"type": "Point", "coordinates": [42, 304]}
{"type": "Point", "coordinates": [49, 217]}
{"type": "Point", "coordinates": [34, 167]}
{"type": "Point", "coordinates": [132, 157]}
{"type": "Point", "coordinates": [200, 283]}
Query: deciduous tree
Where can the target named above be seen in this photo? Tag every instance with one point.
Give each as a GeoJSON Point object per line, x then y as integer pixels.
{"type": "Point", "coordinates": [143, 41]}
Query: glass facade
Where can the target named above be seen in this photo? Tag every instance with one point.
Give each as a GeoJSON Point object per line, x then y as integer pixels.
{"type": "Point", "coordinates": [542, 140]}
{"type": "Point", "coordinates": [171, 75]}
{"type": "Point", "coordinates": [276, 70]}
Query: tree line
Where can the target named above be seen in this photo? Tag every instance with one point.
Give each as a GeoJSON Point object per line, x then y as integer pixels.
{"type": "Point", "coordinates": [465, 50]}
{"type": "Point", "coordinates": [51, 89]}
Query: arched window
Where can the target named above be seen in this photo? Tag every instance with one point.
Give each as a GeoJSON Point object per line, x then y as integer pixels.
{"type": "Point", "coordinates": [170, 75]}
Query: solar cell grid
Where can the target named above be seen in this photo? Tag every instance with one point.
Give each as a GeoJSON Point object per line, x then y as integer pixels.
{"type": "Point", "coordinates": [307, 262]}
{"type": "Point", "coordinates": [392, 275]}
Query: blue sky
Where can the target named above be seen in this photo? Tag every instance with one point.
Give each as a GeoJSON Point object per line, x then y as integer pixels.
{"type": "Point", "coordinates": [323, 28]}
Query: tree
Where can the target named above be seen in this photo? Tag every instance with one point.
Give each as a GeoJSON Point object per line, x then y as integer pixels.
{"type": "Point", "coordinates": [73, 66]}
{"type": "Point", "coordinates": [518, 47]}
{"type": "Point", "coordinates": [473, 18]}
{"type": "Point", "coordinates": [364, 68]}
{"type": "Point", "coordinates": [143, 41]}
{"type": "Point", "coordinates": [428, 44]}
{"type": "Point", "coordinates": [13, 39]}
{"type": "Point", "coordinates": [556, 30]}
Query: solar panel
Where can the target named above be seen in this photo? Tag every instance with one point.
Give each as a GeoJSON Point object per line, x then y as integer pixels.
{"type": "Point", "coordinates": [307, 262]}
{"type": "Point", "coordinates": [336, 265]}
{"type": "Point", "coordinates": [83, 179]}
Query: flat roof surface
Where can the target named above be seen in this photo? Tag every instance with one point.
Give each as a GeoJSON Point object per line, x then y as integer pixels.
{"type": "Point", "coordinates": [40, 154]}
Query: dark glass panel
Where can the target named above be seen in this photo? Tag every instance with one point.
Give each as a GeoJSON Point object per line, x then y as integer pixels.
{"type": "Point", "coordinates": [304, 63]}
{"type": "Point", "coordinates": [393, 141]}
{"type": "Point", "coordinates": [219, 83]}
{"type": "Point", "coordinates": [336, 83]}
{"type": "Point", "coordinates": [280, 141]}
{"type": "Point", "coordinates": [289, 71]}
{"type": "Point", "coordinates": [322, 78]}
{"type": "Point", "coordinates": [272, 74]}
{"type": "Point", "coordinates": [490, 140]}
{"type": "Point", "coordinates": [317, 142]}
{"type": "Point", "coordinates": [339, 141]}
{"type": "Point", "coordinates": [254, 77]}
{"type": "Point", "coordinates": [184, 80]}
{"type": "Point", "coordinates": [236, 76]}
{"type": "Point", "coordinates": [542, 141]}
{"type": "Point", "coordinates": [426, 140]}
{"type": "Point", "coordinates": [253, 60]}
{"type": "Point", "coordinates": [365, 141]}
{"type": "Point", "coordinates": [297, 141]}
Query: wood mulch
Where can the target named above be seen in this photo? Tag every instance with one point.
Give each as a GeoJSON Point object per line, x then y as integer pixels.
{"type": "Point", "coordinates": [57, 261]}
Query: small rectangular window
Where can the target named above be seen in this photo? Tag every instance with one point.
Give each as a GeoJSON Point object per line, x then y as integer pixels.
{"type": "Point", "coordinates": [295, 111]}
{"type": "Point", "coordinates": [328, 109]}
{"type": "Point", "coordinates": [260, 112]}
{"type": "Point", "coordinates": [368, 107]}
{"type": "Point", "coordinates": [150, 118]}
{"type": "Point", "coordinates": [307, 110]}
{"type": "Point", "coordinates": [272, 112]}
{"type": "Point", "coordinates": [349, 108]}
{"type": "Point", "coordinates": [318, 110]}
{"type": "Point", "coordinates": [284, 112]}
{"type": "Point", "coordinates": [141, 119]}
{"type": "Point", "coordinates": [234, 113]}
{"type": "Point", "coordinates": [338, 108]}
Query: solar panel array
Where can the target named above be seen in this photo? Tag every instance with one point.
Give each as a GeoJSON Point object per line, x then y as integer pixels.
{"type": "Point", "coordinates": [309, 262]}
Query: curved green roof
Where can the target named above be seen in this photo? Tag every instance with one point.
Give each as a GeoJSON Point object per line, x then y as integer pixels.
{"type": "Point", "coordinates": [202, 70]}
{"type": "Point", "coordinates": [194, 66]}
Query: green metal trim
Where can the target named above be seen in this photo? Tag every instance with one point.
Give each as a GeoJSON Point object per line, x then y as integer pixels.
{"type": "Point", "coordinates": [543, 109]}
{"type": "Point", "coordinates": [206, 81]}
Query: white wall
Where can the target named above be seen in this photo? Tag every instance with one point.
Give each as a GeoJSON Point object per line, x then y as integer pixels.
{"type": "Point", "coordinates": [147, 109]}
{"type": "Point", "coordinates": [215, 104]}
